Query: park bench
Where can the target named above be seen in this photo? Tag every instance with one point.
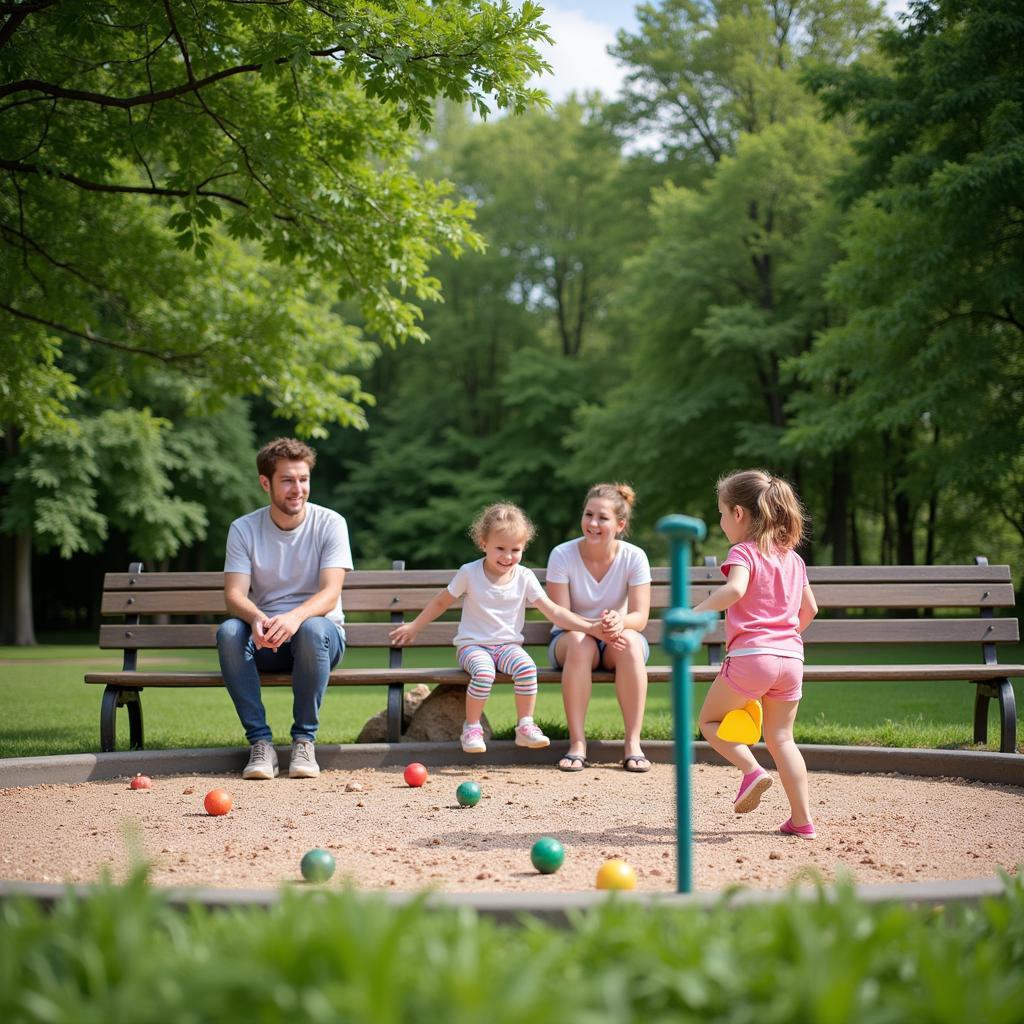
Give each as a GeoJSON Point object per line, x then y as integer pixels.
{"type": "Point", "coordinates": [862, 607]}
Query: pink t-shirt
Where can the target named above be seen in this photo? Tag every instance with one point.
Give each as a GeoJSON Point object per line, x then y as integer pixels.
{"type": "Point", "coordinates": [766, 618]}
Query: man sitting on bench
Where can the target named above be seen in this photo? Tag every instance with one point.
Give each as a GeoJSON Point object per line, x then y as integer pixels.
{"type": "Point", "coordinates": [283, 575]}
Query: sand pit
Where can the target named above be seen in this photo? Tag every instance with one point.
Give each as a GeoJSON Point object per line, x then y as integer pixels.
{"type": "Point", "coordinates": [385, 835]}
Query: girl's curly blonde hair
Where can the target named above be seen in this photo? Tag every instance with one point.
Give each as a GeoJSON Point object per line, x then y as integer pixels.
{"type": "Point", "coordinates": [502, 515]}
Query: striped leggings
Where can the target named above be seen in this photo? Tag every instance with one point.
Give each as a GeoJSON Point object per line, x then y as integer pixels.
{"type": "Point", "coordinates": [481, 661]}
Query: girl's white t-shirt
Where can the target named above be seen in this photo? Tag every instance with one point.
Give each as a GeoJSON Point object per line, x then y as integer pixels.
{"type": "Point", "coordinates": [588, 597]}
{"type": "Point", "coordinates": [493, 614]}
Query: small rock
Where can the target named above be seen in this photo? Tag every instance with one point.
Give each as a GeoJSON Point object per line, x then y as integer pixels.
{"type": "Point", "coordinates": [775, 855]}
{"type": "Point", "coordinates": [353, 787]}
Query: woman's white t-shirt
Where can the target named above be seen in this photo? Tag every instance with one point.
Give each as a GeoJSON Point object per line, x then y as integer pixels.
{"type": "Point", "coordinates": [493, 614]}
{"type": "Point", "coordinates": [588, 597]}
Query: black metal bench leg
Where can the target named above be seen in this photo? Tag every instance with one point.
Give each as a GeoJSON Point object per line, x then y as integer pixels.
{"type": "Point", "coordinates": [981, 699]}
{"type": "Point", "coordinates": [1007, 717]}
{"type": "Point", "coordinates": [395, 709]}
{"type": "Point", "coordinates": [1000, 690]}
{"type": "Point", "coordinates": [133, 701]}
{"type": "Point", "coordinates": [115, 697]}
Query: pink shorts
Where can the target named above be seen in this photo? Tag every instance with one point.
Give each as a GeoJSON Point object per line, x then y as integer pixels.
{"type": "Point", "coordinates": [764, 675]}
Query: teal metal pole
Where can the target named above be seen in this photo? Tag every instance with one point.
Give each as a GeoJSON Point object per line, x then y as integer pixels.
{"type": "Point", "coordinates": [683, 630]}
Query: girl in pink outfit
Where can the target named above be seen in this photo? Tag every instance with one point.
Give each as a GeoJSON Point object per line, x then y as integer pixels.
{"type": "Point", "coordinates": [767, 604]}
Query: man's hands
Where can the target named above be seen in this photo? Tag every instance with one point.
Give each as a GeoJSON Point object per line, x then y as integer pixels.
{"type": "Point", "coordinates": [275, 631]}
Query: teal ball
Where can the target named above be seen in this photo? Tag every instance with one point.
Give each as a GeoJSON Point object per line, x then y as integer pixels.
{"type": "Point", "coordinates": [317, 866]}
{"type": "Point", "coordinates": [547, 855]}
{"type": "Point", "coordinates": [468, 794]}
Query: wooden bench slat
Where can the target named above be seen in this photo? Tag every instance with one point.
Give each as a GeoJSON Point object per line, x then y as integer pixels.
{"type": "Point", "coordinates": [441, 634]}
{"type": "Point", "coordinates": [413, 599]}
{"type": "Point", "coordinates": [656, 674]}
{"type": "Point", "coordinates": [437, 578]}
{"type": "Point", "coordinates": [215, 580]}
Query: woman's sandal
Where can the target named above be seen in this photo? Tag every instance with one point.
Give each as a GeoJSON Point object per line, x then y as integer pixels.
{"type": "Point", "coordinates": [577, 762]}
{"type": "Point", "coordinates": [632, 763]}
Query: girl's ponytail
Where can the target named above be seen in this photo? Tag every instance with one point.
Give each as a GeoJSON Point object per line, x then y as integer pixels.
{"type": "Point", "coordinates": [777, 519]}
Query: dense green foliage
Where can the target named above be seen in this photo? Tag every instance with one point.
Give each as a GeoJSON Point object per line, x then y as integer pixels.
{"type": "Point", "coordinates": [927, 369]}
{"type": "Point", "coordinates": [793, 240]}
{"type": "Point", "coordinates": [760, 297]}
{"type": "Point", "coordinates": [123, 954]}
{"type": "Point", "coordinates": [208, 200]}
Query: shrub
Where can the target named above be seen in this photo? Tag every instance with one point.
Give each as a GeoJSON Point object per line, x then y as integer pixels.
{"type": "Point", "coordinates": [123, 953]}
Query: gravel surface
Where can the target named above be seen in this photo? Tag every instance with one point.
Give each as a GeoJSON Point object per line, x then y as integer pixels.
{"type": "Point", "coordinates": [384, 834]}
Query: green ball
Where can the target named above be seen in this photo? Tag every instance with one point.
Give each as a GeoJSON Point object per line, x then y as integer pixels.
{"type": "Point", "coordinates": [547, 855]}
{"type": "Point", "coordinates": [317, 865]}
{"type": "Point", "coordinates": [468, 794]}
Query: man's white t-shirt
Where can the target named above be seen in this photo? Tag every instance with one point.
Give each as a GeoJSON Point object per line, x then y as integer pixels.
{"type": "Point", "coordinates": [493, 614]}
{"type": "Point", "coordinates": [284, 566]}
{"type": "Point", "coordinates": [587, 596]}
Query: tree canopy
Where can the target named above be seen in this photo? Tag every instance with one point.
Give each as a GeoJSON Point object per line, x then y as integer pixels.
{"type": "Point", "coordinates": [139, 132]}
{"type": "Point", "coordinates": [794, 240]}
{"type": "Point", "coordinates": [206, 200]}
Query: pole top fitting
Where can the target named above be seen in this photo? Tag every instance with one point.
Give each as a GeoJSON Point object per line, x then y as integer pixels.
{"type": "Point", "coordinates": [682, 527]}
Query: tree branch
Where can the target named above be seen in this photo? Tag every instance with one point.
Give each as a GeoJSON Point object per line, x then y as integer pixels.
{"type": "Point", "coordinates": [95, 339]}
{"type": "Point", "coordinates": [125, 102]}
{"type": "Point", "coordinates": [18, 13]}
{"type": "Point", "coordinates": [28, 242]}
{"type": "Point", "coordinates": [146, 190]}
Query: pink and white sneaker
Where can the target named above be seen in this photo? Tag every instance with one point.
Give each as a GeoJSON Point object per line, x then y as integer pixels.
{"type": "Point", "coordinates": [787, 828]}
{"type": "Point", "coordinates": [473, 739]}
{"type": "Point", "coordinates": [528, 734]}
{"type": "Point", "coordinates": [752, 788]}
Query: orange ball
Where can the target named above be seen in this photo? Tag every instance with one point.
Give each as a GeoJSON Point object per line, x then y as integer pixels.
{"type": "Point", "coordinates": [616, 874]}
{"type": "Point", "coordinates": [217, 802]}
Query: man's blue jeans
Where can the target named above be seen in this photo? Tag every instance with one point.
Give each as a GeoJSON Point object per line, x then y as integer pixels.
{"type": "Point", "coordinates": [312, 652]}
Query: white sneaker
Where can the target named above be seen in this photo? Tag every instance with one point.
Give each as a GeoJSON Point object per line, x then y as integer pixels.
{"type": "Point", "coordinates": [473, 739]}
{"type": "Point", "coordinates": [528, 734]}
{"type": "Point", "coordinates": [303, 761]}
{"type": "Point", "coordinates": [262, 761]}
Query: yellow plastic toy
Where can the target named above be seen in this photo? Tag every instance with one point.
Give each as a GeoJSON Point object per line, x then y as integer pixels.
{"type": "Point", "coordinates": [742, 725]}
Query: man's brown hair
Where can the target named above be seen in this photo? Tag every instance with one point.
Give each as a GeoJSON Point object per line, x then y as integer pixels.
{"type": "Point", "coordinates": [283, 449]}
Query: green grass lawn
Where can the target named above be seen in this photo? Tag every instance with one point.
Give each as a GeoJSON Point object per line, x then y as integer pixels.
{"type": "Point", "coordinates": [48, 709]}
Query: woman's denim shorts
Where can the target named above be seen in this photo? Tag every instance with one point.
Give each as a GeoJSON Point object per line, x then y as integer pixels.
{"type": "Point", "coordinates": [556, 632]}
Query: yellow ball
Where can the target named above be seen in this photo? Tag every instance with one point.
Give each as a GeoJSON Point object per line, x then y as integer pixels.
{"type": "Point", "coordinates": [616, 874]}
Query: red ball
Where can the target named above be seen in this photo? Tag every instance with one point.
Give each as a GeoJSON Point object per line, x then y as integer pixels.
{"type": "Point", "coordinates": [415, 774]}
{"type": "Point", "coordinates": [217, 802]}
{"type": "Point", "coordinates": [141, 782]}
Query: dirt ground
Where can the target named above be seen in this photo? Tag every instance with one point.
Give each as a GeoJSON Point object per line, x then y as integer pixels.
{"type": "Point", "coordinates": [384, 834]}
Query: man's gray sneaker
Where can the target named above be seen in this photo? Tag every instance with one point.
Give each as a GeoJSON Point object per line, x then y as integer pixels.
{"type": "Point", "coordinates": [303, 761]}
{"type": "Point", "coordinates": [262, 761]}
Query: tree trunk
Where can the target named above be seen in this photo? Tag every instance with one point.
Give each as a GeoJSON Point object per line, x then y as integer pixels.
{"type": "Point", "coordinates": [7, 589]}
{"type": "Point", "coordinates": [855, 545]}
{"type": "Point", "coordinates": [24, 631]}
{"type": "Point", "coordinates": [839, 509]}
{"type": "Point", "coordinates": [933, 517]}
{"type": "Point", "coordinates": [904, 529]}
